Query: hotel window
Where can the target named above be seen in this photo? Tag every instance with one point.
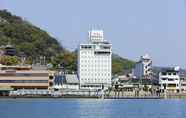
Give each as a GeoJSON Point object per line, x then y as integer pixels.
{"type": "Point", "coordinates": [171, 85]}
{"type": "Point", "coordinates": [50, 84]}
{"type": "Point", "coordinates": [170, 79]}
{"type": "Point", "coordinates": [164, 79]}
{"type": "Point", "coordinates": [164, 73]}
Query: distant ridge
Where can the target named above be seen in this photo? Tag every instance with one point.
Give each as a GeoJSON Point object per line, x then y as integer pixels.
{"type": "Point", "coordinates": [121, 65]}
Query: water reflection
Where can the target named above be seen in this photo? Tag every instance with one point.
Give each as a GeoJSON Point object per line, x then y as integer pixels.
{"type": "Point", "coordinates": [92, 108]}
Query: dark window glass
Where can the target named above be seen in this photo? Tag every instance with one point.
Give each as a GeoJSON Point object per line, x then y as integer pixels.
{"type": "Point", "coordinates": [51, 77]}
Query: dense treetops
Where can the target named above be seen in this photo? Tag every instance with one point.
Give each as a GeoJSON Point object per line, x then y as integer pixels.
{"type": "Point", "coordinates": [121, 65]}
{"type": "Point", "coordinates": [9, 60]}
{"type": "Point", "coordinates": [35, 42]}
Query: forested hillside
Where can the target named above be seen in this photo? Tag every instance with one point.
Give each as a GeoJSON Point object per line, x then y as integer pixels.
{"type": "Point", "coordinates": [27, 38]}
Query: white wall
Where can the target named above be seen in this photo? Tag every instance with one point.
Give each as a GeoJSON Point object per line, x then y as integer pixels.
{"type": "Point", "coordinates": [95, 68]}
{"type": "Point", "coordinates": [175, 80]}
{"type": "Point", "coordinates": [68, 86]}
{"type": "Point", "coordinates": [143, 67]}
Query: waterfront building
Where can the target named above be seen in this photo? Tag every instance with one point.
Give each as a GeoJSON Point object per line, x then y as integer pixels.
{"type": "Point", "coordinates": [169, 79]}
{"type": "Point", "coordinates": [58, 80]}
{"type": "Point", "coordinates": [143, 68]}
{"type": "Point", "coordinates": [23, 78]}
{"type": "Point", "coordinates": [183, 80]}
{"type": "Point", "coordinates": [71, 82]}
{"type": "Point", "coordinates": [183, 83]}
{"type": "Point", "coordinates": [95, 62]}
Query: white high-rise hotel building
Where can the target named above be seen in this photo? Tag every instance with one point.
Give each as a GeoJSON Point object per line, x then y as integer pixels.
{"type": "Point", "coordinates": [95, 62]}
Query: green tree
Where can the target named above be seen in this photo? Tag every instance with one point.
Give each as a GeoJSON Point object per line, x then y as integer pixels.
{"type": "Point", "coordinates": [146, 88]}
{"type": "Point", "coordinates": [9, 60]}
{"type": "Point", "coordinates": [67, 60]}
{"type": "Point", "coordinates": [121, 65]}
{"type": "Point", "coordinates": [117, 68]}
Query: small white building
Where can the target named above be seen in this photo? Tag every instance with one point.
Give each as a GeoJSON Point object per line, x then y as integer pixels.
{"type": "Point", "coordinates": [183, 81]}
{"type": "Point", "coordinates": [169, 79]}
{"type": "Point", "coordinates": [70, 82]}
{"type": "Point", "coordinates": [143, 68]}
{"type": "Point", "coordinates": [95, 62]}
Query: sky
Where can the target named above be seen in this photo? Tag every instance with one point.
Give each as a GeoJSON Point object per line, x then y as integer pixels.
{"type": "Point", "coordinates": [134, 27]}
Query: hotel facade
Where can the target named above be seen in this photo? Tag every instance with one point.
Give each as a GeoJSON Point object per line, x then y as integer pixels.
{"type": "Point", "coordinates": [95, 62]}
{"type": "Point", "coordinates": [143, 68]}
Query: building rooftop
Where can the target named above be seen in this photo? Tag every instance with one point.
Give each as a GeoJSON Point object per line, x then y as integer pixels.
{"type": "Point", "coordinates": [170, 69]}
{"type": "Point", "coordinates": [71, 79]}
{"type": "Point", "coordinates": [25, 71]}
{"type": "Point", "coordinates": [146, 56]}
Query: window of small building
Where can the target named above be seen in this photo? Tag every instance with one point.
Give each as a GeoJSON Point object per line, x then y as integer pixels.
{"type": "Point", "coordinates": [164, 73]}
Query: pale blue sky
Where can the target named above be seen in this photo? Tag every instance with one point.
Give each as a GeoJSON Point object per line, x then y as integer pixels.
{"type": "Point", "coordinates": [134, 27]}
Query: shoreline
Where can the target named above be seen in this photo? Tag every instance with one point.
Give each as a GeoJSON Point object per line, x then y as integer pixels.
{"type": "Point", "coordinates": [93, 98]}
{"type": "Point", "coordinates": [76, 97]}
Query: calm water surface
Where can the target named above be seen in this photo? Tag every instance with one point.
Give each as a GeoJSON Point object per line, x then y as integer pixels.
{"type": "Point", "coordinates": [91, 108]}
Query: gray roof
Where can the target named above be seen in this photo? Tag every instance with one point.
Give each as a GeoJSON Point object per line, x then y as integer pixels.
{"type": "Point", "coordinates": [71, 79]}
{"type": "Point", "coordinates": [164, 69]}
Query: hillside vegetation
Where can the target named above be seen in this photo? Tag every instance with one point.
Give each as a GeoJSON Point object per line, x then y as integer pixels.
{"type": "Point", "coordinates": [27, 38]}
{"type": "Point", "coordinates": [121, 65]}
{"type": "Point", "coordinates": [35, 42]}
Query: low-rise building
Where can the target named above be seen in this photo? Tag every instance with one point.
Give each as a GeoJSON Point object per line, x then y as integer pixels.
{"type": "Point", "coordinates": [13, 79]}
{"type": "Point", "coordinates": [58, 81]}
{"type": "Point", "coordinates": [183, 81]}
{"type": "Point", "coordinates": [71, 81]}
{"type": "Point", "coordinates": [169, 79]}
